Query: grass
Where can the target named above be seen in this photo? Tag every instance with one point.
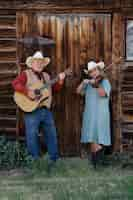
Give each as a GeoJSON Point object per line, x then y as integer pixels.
{"type": "Point", "coordinates": [70, 179]}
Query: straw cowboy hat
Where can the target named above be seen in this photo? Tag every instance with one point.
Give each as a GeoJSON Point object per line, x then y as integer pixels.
{"type": "Point", "coordinates": [37, 56]}
{"type": "Point", "coordinates": [92, 65]}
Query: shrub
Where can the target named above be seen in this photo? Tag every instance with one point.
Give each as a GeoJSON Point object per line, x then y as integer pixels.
{"type": "Point", "coordinates": [13, 154]}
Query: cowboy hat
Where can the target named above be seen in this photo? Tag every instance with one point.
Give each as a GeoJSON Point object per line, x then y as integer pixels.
{"type": "Point", "coordinates": [37, 56]}
{"type": "Point", "coordinates": [92, 65]}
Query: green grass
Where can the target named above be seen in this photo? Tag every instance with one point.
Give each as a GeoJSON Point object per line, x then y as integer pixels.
{"type": "Point", "coordinates": [71, 179]}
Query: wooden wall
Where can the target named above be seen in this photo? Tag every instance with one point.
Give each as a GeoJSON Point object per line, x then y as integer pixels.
{"type": "Point", "coordinates": [89, 30]}
{"type": "Point", "coordinates": [8, 71]}
{"type": "Point", "coordinates": [65, 5]}
{"type": "Point", "coordinates": [78, 38]}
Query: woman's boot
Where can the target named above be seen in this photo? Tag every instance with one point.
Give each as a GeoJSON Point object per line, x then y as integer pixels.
{"type": "Point", "coordinates": [101, 157]}
{"type": "Point", "coordinates": [94, 159]}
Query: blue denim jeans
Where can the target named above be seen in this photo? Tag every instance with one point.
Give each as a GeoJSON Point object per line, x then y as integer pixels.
{"type": "Point", "coordinates": [32, 123]}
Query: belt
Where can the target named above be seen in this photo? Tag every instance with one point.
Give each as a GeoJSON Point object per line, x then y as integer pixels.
{"type": "Point", "coordinates": [44, 107]}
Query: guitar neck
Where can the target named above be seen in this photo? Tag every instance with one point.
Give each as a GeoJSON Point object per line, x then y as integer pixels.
{"type": "Point", "coordinates": [53, 81]}
{"type": "Point", "coordinates": [50, 82]}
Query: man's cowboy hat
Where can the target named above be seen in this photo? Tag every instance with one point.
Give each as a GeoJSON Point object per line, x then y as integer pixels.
{"type": "Point", "coordinates": [92, 65]}
{"type": "Point", "coordinates": [37, 56]}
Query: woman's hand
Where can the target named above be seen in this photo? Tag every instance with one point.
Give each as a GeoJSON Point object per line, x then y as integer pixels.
{"type": "Point", "coordinates": [91, 81]}
{"type": "Point", "coordinates": [85, 81]}
{"type": "Point", "coordinates": [79, 88]}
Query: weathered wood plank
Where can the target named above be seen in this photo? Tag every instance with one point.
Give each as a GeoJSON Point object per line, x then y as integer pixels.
{"type": "Point", "coordinates": [117, 51]}
{"type": "Point", "coordinates": [84, 39]}
{"type": "Point", "coordinates": [7, 32]}
{"type": "Point", "coordinates": [8, 21]}
{"type": "Point", "coordinates": [7, 44]}
{"type": "Point", "coordinates": [7, 66]}
{"type": "Point", "coordinates": [90, 52]}
{"type": "Point", "coordinates": [59, 46]}
{"type": "Point", "coordinates": [66, 5]}
{"type": "Point", "coordinates": [49, 4]}
{"type": "Point", "coordinates": [108, 4]}
{"type": "Point", "coordinates": [99, 27]}
{"type": "Point", "coordinates": [7, 130]}
{"type": "Point", "coordinates": [76, 43]}
{"type": "Point", "coordinates": [8, 56]}
{"type": "Point", "coordinates": [93, 39]}
{"type": "Point", "coordinates": [127, 3]}
{"type": "Point", "coordinates": [107, 40]}
{"type": "Point", "coordinates": [69, 24]}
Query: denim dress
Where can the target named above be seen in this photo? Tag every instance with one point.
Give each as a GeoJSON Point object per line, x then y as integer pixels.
{"type": "Point", "coordinates": [96, 116]}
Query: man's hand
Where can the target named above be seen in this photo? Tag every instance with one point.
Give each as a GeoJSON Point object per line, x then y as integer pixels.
{"type": "Point", "coordinates": [31, 94]}
{"type": "Point", "coordinates": [62, 75]}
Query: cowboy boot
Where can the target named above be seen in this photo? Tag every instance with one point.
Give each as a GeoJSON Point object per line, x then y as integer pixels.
{"type": "Point", "coordinates": [94, 159]}
{"type": "Point", "coordinates": [101, 157]}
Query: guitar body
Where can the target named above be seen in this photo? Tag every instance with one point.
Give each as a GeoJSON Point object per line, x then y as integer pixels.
{"type": "Point", "coordinates": [28, 105]}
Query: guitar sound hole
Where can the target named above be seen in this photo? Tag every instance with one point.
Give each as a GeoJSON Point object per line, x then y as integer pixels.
{"type": "Point", "coordinates": [37, 92]}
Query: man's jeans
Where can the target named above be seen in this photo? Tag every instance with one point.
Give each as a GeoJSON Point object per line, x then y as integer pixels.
{"type": "Point", "coordinates": [32, 123]}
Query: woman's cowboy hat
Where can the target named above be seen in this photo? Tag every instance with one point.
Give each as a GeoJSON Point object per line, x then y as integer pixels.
{"type": "Point", "coordinates": [37, 56]}
{"type": "Point", "coordinates": [92, 65]}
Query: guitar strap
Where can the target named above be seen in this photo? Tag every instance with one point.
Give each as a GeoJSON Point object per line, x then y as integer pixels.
{"type": "Point", "coordinates": [40, 75]}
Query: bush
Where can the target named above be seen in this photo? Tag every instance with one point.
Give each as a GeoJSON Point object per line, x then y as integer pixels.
{"type": "Point", "coordinates": [13, 154]}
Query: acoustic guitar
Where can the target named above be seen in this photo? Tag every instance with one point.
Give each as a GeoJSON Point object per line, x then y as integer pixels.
{"type": "Point", "coordinates": [42, 94]}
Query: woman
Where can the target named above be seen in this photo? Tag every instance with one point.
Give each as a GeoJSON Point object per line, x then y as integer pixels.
{"type": "Point", "coordinates": [96, 117]}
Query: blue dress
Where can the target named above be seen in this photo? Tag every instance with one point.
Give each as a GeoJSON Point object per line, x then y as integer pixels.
{"type": "Point", "coordinates": [96, 116]}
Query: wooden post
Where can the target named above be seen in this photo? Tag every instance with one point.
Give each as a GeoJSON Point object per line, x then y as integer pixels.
{"type": "Point", "coordinates": [117, 51]}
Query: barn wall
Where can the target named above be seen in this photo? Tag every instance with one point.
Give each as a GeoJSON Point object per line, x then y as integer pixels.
{"type": "Point", "coordinates": [94, 31]}
{"type": "Point", "coordinates": [77, 38]}
{"type": "Point", "coordinates": [8, 71]}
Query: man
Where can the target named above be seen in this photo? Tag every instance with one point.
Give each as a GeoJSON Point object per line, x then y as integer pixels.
{"type": "Point", "coordinates": [42, 114]}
